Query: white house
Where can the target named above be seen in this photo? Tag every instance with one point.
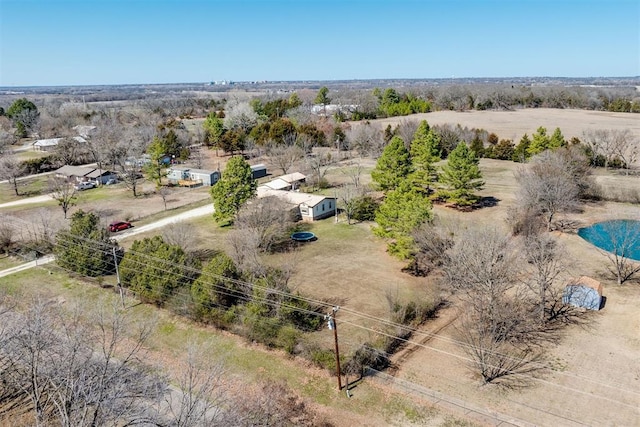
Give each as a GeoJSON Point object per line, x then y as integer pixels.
{"type": "Point", "coordinates": [189, 177]}
{"type": "Point", "coordinates": [51, 143]}
{"type": "Point", "coordinates": [311, 206]}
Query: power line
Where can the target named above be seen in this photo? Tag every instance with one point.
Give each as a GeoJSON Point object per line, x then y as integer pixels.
{"type": "Point", "coordinates": [101, 246]}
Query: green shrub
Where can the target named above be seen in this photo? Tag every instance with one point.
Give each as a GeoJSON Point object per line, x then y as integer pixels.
{"type": "Point", "coordinates": [288, 338]}
{"type": "Point", "coordinates": [365, 209]}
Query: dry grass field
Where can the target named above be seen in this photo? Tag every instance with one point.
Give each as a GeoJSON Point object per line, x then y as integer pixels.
{"type": "Point", "coordinates": [513, 124]}
{"type": "Point", "coordinates": [595, 379]}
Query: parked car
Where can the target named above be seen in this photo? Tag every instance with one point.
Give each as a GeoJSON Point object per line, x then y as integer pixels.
{"type": "Point", "coordinates": [85, 185]}
{"type": "Point", "coordinates": [119, 226]}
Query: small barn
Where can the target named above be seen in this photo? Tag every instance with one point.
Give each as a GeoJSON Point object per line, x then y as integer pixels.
{"type": "Point", "coordinates": [188, 177]}
{"type": "Point", "coordinates": [258, 171]}
{"type": "Point", "coordinates": [583, 292]}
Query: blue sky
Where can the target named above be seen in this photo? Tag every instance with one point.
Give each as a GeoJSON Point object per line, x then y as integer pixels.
{"type": "Point", "coordinates": [73, 42]}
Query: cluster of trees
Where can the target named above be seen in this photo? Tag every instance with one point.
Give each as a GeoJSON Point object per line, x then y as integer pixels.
{"type": "Point", "coordinates": [264, 124]}
{"type": "Point", "coordinates": [236, 291]}
{"type": "Point", "coordinates": [81, 366]}
{"type": "Point", "coordinates": [556, 182]}
{"type": "Point", "coordinates": [407, 177]}
{"type": "Point", "coordinates": [511, 293]}
{"type": "Point", "coordinates": [24, 116]}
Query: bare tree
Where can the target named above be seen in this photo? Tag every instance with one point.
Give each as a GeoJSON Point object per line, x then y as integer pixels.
{"type": "Point", "coordinates": [244, 250]}
{"type": "Point", "coordinates": [407, 129]}
{"type": "Point", "coordinates": [622, 238]}
{"type": "Point", "coordinates": [545, 259]}
{"type": "Point", "coordinates": [196, 156]}
{"type": "Point", "coordinates": [354, 172]}
{"type": "Point", "coordinates": [285, 156]}
{"type": "Point", "coordinates": [319, 164]}
{"type": "Point", "coordinates": [347, 199]}
{"type": "Point", "coordinates": [202, 395]}
{"type": "Point", "coordinates": [240, 116]}
{"type": "Point", "coordinates": [182, 234]}
{"type": "Point", "coordinates": [433, 239]}
{"type": "Point", "coordinates": [601, 142]}
{"type": "Point", "coordinates": [71, 151]}
{"type": "Point", "coordinates": [268, 218]}
{"type": "Point", "coordinates": [11, 169]}
{"type": "Point", "coordinates": [63, 192]}
{"type": "Point", "coordinates": [548, 185]}
{"type": "Point", "coordinates": [480, 265]}
{"type": "Point", "coordinates": [130, 163]}
{"type": "Point", "coordinates": [103, 144]}
{"type": "Point", "coordinates": [367, 140]}
{"type": "Point", "coordinates": [164, 193]}
{"type": "Point", "coordinates": [494, 359]}
{"type": "Point", "coordinates": [626, 147]}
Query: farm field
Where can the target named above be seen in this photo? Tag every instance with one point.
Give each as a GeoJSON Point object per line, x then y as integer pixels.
{"type": "Point", "coordinates": [595, 379]}
{"type": "Point", "coordinates": [513, 124]}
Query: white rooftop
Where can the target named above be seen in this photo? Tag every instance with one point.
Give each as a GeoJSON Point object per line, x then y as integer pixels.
{"type": "Point", "coordinates": [292, 197]}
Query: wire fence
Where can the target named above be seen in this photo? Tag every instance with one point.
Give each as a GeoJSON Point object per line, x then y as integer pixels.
{"type": "Point", "coordinates": [483, 416]}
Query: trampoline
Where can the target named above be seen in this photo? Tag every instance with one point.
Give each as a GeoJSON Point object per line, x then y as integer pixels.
{"type": "Point", "coordinates": [303, 236]}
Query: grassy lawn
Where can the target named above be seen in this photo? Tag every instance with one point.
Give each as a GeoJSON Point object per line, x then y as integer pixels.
{"type": "Point", "coordinates": [27, 188]}
{"type": "Point", "coordinates": [245, 361]}
{"type": "Point", "coordinates": [8, 262]}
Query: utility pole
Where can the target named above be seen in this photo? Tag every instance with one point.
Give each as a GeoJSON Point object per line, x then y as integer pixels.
{"type": "Point", "coordinates": [331, 323]}
{"type": "Point", "coordinates": [115, 262]}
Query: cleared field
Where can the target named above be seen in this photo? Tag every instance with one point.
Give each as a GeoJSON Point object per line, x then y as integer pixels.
{"type": "Point", "coordinates": [513, 124]}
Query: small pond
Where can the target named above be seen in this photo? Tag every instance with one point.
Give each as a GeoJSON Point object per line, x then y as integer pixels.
{"type": "Point", "coordinates": [620, 236]}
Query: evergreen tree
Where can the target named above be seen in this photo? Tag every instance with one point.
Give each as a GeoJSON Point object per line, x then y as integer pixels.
{"type": "Point", "coordinates": [323, 99]}
{"type": "Point", "coordinates": [520, 152]}
{"type": "Point", "coordinates": [214, 127]}
{"type": "Point", "coordinates": [234, 188]}
{"type": "Point", "coordinates": [154, 269]}
{"type": "Point", "coordinates": [393, 166]}
{"type": "Point", "coordinates": [86, 247]}
{"type": "Point", "coordinates": [557, 139]}
{"type": "Point", "coordinates": [24, 115]}
{"type": "Point", "coordinates": [402, 211]}
{"type": "Point", "coordinates": [424, 154]}
{"type": "Point", "coordinates": [216, 286]}
{"type": "Point", "coordinates": [461, 176]}
{"type": "Point", "coordinates": [477, 145]}
{"type": "Point", "coordinates": [155, 169]}
{"type": "Point", "coordinates": [540, 142]}
{"type": "Point", "coordinates": [504, 150]}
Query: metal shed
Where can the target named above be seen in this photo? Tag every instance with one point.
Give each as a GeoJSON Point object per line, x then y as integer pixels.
{"type": "Point", "coordinates": [583, 292]}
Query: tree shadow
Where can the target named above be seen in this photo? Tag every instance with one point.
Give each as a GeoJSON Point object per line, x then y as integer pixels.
{"type": "Point", "coordinates": [485, 202]}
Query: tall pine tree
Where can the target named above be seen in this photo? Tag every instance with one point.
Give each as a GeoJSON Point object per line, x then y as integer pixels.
{"type": "Point", "coordinates": [424, 154]}
{"type": "Point", "coordinates": [540, 142]}
{"type": "Point", "coordinates": [461, 176]}
{"type": "Point", "coordinates": [393, 166]}
{"type": "Point", "coordinates": [234, 188]}
{"type": "Point", "coordinates": [402, 211]}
